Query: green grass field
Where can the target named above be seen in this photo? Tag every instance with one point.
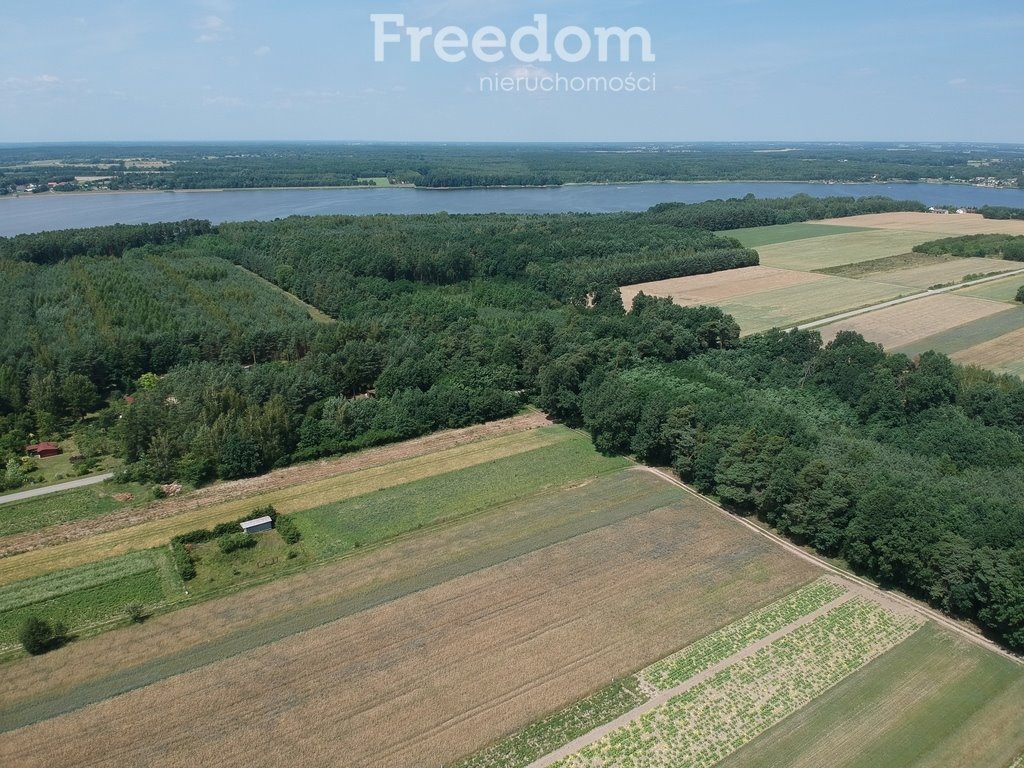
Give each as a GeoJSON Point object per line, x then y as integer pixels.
{"type": "Point", "coordinates": [84, 596]}
{"type": "Point", "coordinates": [967, 335]}
{"type": "Point", "coordinates": [786, 307]}
{"type": "Point", "coordinates": [997, 290]}
{"type": "Point", "coordinates": [755, 237]}
{"type": "Point", "coordinates": [818, 253]}
{"type": "Point", "coordinates": [333, 529]}
{"type": "Point", "coordinates": [932, 702]}
{"type": "Point", "coordinates": [64, 507]}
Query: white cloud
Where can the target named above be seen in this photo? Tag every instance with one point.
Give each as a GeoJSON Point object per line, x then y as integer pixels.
{"type": "Point", "coordinates": [223, 101]}
{"type": "Point", "coordinates": [263, 50]}
{"type": "Point", "coordinates": [958, 82]}
{"type": "Point", "coordinates": [212, 29]}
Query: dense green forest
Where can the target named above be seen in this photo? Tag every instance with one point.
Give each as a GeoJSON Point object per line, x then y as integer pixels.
{"type": "Point", "coordinates": [910, 469]}
{"type": "Point", "coordinates": [248, 165]}
{"type": "Point", "coordinates": [1010, 247]}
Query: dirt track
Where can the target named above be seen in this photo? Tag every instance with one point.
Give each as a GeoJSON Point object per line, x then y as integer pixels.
{"type": "Point", "coordinates": [237, 489]}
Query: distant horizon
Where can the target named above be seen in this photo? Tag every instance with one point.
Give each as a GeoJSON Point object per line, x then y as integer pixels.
{"type": "Point", "coordinates": [538, 142]}
{"type": "Point", "coordinates": [468, 71]}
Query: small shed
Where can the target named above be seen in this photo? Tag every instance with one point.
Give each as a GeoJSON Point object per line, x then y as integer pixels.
{"type": "Point", "coordinates": [43, 450]}
{"type": "Point", "coordinates": [258, 525]}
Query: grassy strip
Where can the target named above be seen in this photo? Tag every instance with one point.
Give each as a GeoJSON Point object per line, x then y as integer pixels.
{"type": "Point", "coordinates": [885, 264]}
{"type": "Point", "coordinates": [710, 721]}
{"type": "Point", "coordinates": [726, 642]}
{"type": "Point", "coordinates": [84, 596]}
{"type": "Point", "coordinates": [333, 529]}
{"type": "Point", "coordinates": [545, 736]}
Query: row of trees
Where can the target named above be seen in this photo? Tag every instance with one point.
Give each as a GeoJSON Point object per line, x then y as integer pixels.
{"type": "Point", "coordinates": [1010, 247]}
{"type": "Point", "coordinates": [290, 165]}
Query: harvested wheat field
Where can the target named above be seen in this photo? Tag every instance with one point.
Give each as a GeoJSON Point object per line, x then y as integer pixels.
{"type": "Point", "coordinates": [912, 321]}
{"type": "Point", "coordinates": [718, 286]}
{"type": "Point", "coordinates": [439, 672]}
{"type": "Point", "coordinates": [1003, 353]}
{"type": "Point", "coordinates": [942, 224]}
{"type": "Point", "coordinates": [997, 290]}
{"type": "Point", "coordinates": [288, 499]}
{"type": "Point", "coordinates": [944, 273]}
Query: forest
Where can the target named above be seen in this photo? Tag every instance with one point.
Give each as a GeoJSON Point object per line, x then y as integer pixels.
{"type": "Point", "coordinates": [250, 165]}
{"type": "Point", "coordinates": [911, 470]}
{"type": "Point", "coordinates": [1009, 247]}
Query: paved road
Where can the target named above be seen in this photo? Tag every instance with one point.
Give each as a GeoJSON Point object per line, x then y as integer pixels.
{"type": "Point", "coordinates": [905, 299]}
{"type": "Point", "coordinates": [80, 483]}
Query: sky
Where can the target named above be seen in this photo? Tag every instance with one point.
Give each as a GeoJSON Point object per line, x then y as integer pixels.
{"type": "Point", "coordinates": [724, 70]}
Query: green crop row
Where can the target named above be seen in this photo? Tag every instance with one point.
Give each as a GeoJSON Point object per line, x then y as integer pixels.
{"type": "Point", "coordinates": [731, 639]}
{"type": "Point", "coordinates": [701, 726]}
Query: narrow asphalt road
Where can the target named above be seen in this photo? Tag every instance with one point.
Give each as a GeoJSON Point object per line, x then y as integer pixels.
{"type": "Point", "coordinates": [80, 483]}
{"type": "Point", "coordinates": [904, 300]}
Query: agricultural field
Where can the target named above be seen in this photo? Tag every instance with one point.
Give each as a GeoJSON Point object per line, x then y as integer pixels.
{"type": "Point", "coordinates": [286, 500]}
{"type": "Point", "coordinates": [997, 290]}
{"type": "Point", "coordinates": [1004, 354]}
{"type": "Point", "coordinates": [475, 628]}
{"type": "Point", "coordinates": [788, 307]}
{"type": "Point", "coordinates": [835, 250]}
{"type": "Point", "coordinates": [717, 287]}
{"type": "Point", "coordinates": [756, 237]}
{"type": "Point", "coordinates": [712, 719]}
{"type": "Point", "coordinates": [902, 325]}
{"type": "Point", "coordinates": [55, 509]}
{"type": "Point", "coordinates": [945, 272]}
{"type": "Point", "coordinates": [952, 224]}
{"type": "Point", "coordinates": [933, 701]}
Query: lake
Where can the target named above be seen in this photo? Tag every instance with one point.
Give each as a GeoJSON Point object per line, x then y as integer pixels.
{"type": "Point", "coordinates": [35, 213]}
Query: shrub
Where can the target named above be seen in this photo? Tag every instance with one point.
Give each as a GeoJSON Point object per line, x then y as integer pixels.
{"type": "Point", "coordinates": [288, 530]}
{"type": "Point", "coordinates": [38, 636]}
{"type": "Point", "coordinates": [136, 612]}
{"type": "Point", "coordinates": [183, 561]}
{"type": "Point", "coordinates": [235, 541]}
{"type": "Point", "coordinates": [1020, 294]}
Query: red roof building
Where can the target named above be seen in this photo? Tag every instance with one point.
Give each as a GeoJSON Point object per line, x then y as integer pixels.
{"type": "Point", "coordinates": [43, 450]}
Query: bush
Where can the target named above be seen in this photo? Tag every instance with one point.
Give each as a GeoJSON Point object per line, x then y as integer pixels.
{"type": "Point", "coordinates": [183, 561]}
{"type": "Point", "coordinates": [288, 530]}
{"type": "Point", "coordinates": [136, 612]}
{"type": "Point", "coordinates": [38, 636]}
{"type": "Point", "coordinates": [235, 541]}
{"type": "Point", "coordinates": [1020, 294]}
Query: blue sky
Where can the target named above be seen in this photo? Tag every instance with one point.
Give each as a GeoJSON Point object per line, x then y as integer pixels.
{"type": "Point", "coordinates": [733, 70]}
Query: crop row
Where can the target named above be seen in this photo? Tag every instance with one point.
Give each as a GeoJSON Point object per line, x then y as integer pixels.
{"type": "Point", "coordinates": [41, 589]}
{"type": "Point", "coordinates": [718, 646]}
{"type": "Point", "coordinates": [700, 727]}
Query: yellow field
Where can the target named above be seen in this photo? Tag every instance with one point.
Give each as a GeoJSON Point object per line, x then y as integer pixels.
{"type": "Point", "coordinates": [285, 500]}
{"type": "Point", "coordinates": [906, 323]}
{"type": "Point", "coordinates": [719, 286]}
{"type": "Point", "coordinates": [937, 224]}
{"type": "Point", "coordinates": [442, 671]}
{"type": "Point", "coordinates": [836, 250]}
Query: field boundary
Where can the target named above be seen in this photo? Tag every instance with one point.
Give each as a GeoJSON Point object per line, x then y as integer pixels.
{"type": "Point", "coordinates": [876, 592]}
{"type": "Point", "coordinates": [663, 697]}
